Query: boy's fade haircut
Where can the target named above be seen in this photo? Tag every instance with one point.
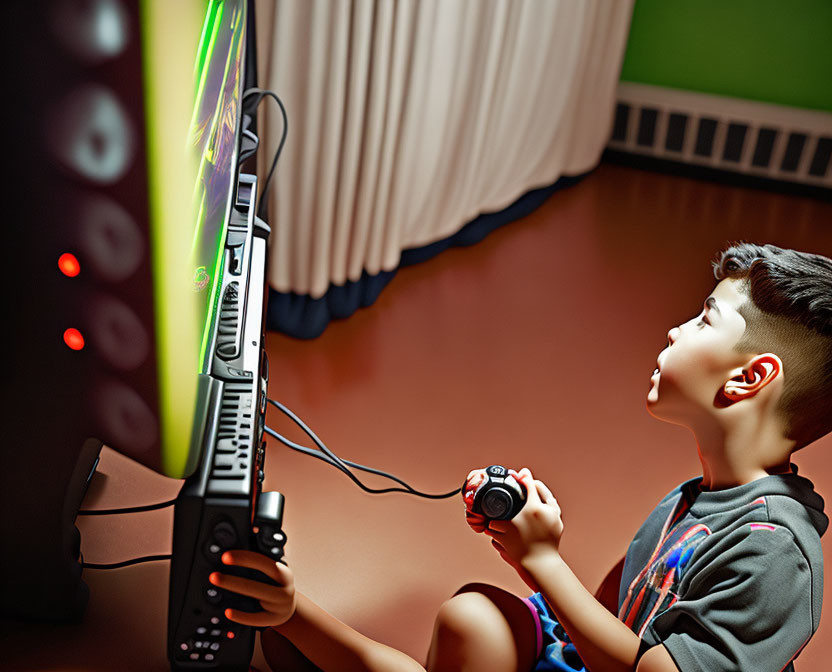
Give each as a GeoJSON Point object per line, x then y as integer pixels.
{"type": "Point", "coordinates": [789, 314]}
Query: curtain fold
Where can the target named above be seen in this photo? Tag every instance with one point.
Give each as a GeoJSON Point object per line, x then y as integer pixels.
{"type": "Point", "coordinates": [410, 118]}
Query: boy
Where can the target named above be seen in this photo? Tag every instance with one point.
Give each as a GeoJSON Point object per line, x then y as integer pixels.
{"type": "Point", "coordinates": [727, 571]}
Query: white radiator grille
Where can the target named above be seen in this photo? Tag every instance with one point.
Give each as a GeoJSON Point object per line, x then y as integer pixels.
{"type": "Point", "coordinates": [771, 141]}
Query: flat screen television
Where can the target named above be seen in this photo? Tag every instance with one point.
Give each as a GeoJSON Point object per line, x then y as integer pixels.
{"type": "Point", "coordinates": [139, 270]}
{"type": "Point", "coordinates": [191, 219]}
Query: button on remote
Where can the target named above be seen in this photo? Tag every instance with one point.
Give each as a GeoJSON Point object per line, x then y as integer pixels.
{"type": "Point", "coordinates": [213, 596]}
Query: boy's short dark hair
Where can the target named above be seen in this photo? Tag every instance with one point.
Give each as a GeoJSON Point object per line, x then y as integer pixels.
{"type": "Point", "coordinates": [790, 315]}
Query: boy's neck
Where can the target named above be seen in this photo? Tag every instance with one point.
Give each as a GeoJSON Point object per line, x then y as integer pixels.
{"type": "Point", "coordinates": [741, 452]}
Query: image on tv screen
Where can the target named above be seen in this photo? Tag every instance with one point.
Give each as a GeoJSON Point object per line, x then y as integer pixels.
{"type": "Point", "coordinates": [212, 136]}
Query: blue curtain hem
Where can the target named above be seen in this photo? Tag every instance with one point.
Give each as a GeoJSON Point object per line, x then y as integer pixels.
{"type": "Point", "coordinates": [301, 316]}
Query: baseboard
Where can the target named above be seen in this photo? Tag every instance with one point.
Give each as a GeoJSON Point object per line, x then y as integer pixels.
{"type": "Point", "coordinates": [766, 142]}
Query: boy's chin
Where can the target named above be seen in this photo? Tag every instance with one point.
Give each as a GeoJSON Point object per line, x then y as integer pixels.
{"type": "Point", "coordinates": [664, 411]}
{"type": "Point", "coordinates": [654, 401]}
{"type": "Point", "coordinates": [652, 408]}
{"type": "Point", "coordinates": [667, 413]}
{"type": "Point", "coordinates": [658, 412]}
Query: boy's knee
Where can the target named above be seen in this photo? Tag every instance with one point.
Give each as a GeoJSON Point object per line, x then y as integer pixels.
{"type": "Point", "coordinates": [458, 633]}
{"type": "Point", "coordinates": [479, 612]}
{"type": "Point", "coordinates": [459, 615]}
{"type": "Point", "coordinates": [482, 627]}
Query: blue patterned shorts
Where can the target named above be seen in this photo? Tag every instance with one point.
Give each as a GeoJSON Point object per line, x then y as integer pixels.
{"type": "Point", "coordinates": [555, 651]}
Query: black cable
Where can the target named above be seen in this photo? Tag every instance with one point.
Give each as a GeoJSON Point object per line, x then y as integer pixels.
{"type": "Point", "coordinates": [331, 458]}
{"type": "Point", "coordinates": [300, 423]}
{"type": "Point", "coordinates": [322, 456]}
{"type": "Point", "coordinates": [407, 489]}
{"type": "Point", "coordinates": [347, 472]}
{"type": "Point", "coordinates": [251, 152]}
{"type": "Point", "coordinates": [125, 563]}
{"type": "Point", "coordinates": [261, 93]}
{"type": "Point", "coordinates": [131, 509]}
{"type": "Point", "coordinates": [303, 449]}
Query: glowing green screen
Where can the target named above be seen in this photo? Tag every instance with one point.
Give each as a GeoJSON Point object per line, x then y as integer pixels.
{"type": "Point", "coordinates": [192, 112]}
{"type": "Point", "coordinates": [213, 138]}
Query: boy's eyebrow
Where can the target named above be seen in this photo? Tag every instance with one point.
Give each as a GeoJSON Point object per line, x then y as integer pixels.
{"type": "Point", "coordinates": [710, 302]}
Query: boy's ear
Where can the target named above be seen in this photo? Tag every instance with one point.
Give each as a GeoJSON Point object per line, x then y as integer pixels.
{"type": "Point", "coordinates": [760, 371]}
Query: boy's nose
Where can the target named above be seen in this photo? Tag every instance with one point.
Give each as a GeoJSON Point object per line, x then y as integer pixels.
{"type": "Point", "coordinates": [672, 335]}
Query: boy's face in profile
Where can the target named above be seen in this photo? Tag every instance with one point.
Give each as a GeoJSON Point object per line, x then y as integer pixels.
{"type": "Point", "coordinates": [699, 359]}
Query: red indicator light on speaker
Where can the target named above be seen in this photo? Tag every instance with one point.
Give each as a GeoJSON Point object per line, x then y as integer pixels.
{"type": "Point", "coordinates": [69, 265]}
{"type": "Point", "coordinates": [74, 339]}
{"type": "Point", "coordinates": [230, 635]}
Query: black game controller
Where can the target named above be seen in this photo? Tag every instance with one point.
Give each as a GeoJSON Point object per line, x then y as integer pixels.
{"type": "Point", "coordinates": [222, 507]}
{"type": "Point", "coordinates": [499, 496]}
{"type": "Point", "coordinates": [200, 636]}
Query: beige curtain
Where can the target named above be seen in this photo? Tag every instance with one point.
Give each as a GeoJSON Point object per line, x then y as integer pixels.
{"type": "Point", "coordinates": [409, 118]}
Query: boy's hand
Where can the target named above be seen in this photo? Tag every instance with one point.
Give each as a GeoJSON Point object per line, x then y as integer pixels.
{"type": "Point", "coordinates": [278, 602]}
{"type": "Point", "coordinates": [536, 529]}
{"type": "Point", "coordinates": [476, 521]}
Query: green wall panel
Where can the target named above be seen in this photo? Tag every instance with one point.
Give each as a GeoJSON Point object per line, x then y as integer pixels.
{"type": "Point", "coordinates": [777, 51]}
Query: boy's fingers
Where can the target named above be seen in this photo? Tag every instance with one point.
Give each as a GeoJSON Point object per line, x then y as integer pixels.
{"type": "Point", "coordinates": [477, 526]}
{"type": "Point", "coordinates": [261, 619]}
{"type": "Point", "coordinates": [544, 492]}
{"type": "Point", "coordinates": [254, 560]}
{"type": "Point", "coordinates": [499, 526]}
{"type": "Point", "coordinates": [475, 520]}
{"type": "Point", "coordinates": [284, 574]}
{"type": "Point", "coordinates": [276, 607]}
{"type": "Point", "coordinates": [247, 587]}
{"type": "Point", "coordinates": [474, 479]}
{"type": "Point", "coordinates": [524, 476]}
{"type": "Point", "coordinates": [474, 472]}
{"type": "Point", "coordinates": [502, 551]}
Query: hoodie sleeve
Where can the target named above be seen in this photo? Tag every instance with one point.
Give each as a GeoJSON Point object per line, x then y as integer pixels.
{"type": "Point", "coordinates": [748, 605]}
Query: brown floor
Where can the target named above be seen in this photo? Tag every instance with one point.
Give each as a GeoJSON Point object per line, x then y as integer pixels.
{"type": "Point", "coordinates": [533, 348]}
